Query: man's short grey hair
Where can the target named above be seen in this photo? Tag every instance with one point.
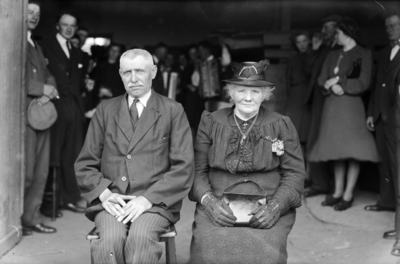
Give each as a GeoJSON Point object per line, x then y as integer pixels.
{"type": "Point", "coordinates": [131, 54]}
{"type": "Point", "coordinates": [266, 90]}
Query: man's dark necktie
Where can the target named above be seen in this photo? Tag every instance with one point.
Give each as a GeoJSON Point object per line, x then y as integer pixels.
{"type": "Point", "coordinates": [134, 113]}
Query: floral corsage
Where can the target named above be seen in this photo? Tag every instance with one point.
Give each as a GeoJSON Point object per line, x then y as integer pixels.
{"type": "Point", "coordinates": [277, 146]}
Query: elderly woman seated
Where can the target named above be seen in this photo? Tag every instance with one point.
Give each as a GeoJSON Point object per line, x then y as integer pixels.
{"type": "Point", "coordinates": [249, 176]}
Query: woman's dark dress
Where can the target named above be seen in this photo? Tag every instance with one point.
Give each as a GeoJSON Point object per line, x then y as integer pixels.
{"type": "Point", "coordinates": [343, 133]}
{"type": "Point", "coordinates": [297, 81]}
{"type": "Point", "coordinates": [221, 162]}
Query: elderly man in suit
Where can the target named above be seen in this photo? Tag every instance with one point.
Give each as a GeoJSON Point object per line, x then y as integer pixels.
{"type": "Point", "coordinates": [135, 167]}
{"type": "Point", "coordinates": [384, 118]}
{"type": "Point", "coordinates": [67, 133]}
{"type": "Point", "coordinates": [40, 86]}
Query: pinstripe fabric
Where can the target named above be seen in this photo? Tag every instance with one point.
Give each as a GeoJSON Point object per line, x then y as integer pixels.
{"type": "Point", "coordinates": [130, 244]}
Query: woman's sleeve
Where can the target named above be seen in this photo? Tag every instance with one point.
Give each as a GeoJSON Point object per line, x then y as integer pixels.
{"type": "Point", "coordinates": [202, 145]}
{"type": "Point", "coordinates": [292, 169]}
{"type": "Point", "coordinates": [324, 75]}
{"type": "Point", "coordinates": [360, 84]}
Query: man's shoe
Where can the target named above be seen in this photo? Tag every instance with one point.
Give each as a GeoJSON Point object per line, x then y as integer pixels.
{"type": "Point", "coordinates": [74, 208]}
{"type": "Point", "coordinates": [59, 214]}
{"type": "Point", "coordinates": [41, 228]}
{"type": "Point", "coordinates": [313, 192]}
{"type": "Point", "coordinates": [379, 208]}
{"type": "Point", "coordinates": [396, 249]}
{"type": "Point", "coordinates": [390, 234]}
{"type": "Point", "coordinates": [26, 231]}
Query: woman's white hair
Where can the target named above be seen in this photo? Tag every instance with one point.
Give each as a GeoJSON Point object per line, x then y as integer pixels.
{"type": "Point", "coordinates": [266, 90]}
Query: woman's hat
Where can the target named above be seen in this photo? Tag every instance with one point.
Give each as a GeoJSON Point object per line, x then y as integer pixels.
{"type": "Point", "coordinates": [250, 74]}
{"type": "Point", "coordinates": [349, 27]}
{"type": "Point", "coordinates": [41, 117]}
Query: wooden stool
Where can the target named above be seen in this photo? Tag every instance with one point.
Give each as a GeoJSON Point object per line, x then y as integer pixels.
{"type": "Point", "coordinates": [168, 237]}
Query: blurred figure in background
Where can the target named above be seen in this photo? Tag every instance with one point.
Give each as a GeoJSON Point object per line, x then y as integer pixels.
{"type": "Point", "coordinates": [108, 83]}
{"type": "Point", "coordinates": [190, 81]}
{"type": "Point", "coordinates": [322, 45]}
{"type": "Point", "coordinates": [159, 56]}
{"type": "Point", "coordinates": [40, 87]}
{"type": "Point", "coordinates": [65, 64]}
{"type": "Point", "coordinates": [297, 81]}
{"type": "Point", "coordinates": [343, 137]}
{"type": "Point", "coordinates": [383, 117]}
{"type": "Point", "coordinates": [170, 75]}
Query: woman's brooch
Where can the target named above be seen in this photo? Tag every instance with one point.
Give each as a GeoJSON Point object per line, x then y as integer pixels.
{"type": "Point", "coordinates": [277, 146]}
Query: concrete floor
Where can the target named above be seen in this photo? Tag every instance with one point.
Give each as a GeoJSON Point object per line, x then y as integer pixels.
{"type": "Point", "coordinates": [320, 235]}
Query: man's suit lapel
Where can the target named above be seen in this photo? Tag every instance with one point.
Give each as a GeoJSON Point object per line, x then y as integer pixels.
{"type": "Point", "coordinates": [32, 55]}
{"type": "Point", "coordinates": [392, 64]}
{"type": "Point", "coordinates": [74, 59]}
{"type": "Point", "coordinates": [147, 119]}
{"type": "Point", "coordinates": [123, 119]}
{"type": "Point", "coordinates": [59, 52]}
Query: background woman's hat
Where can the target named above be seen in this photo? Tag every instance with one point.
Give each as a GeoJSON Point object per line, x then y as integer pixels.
{"type": "Point", "coordinates": [250, 74]}
{"type": "Point", "coordinates": [41, 117]}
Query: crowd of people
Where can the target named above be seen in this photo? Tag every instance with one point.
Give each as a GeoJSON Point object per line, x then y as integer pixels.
{"type": "Point", "coordinates": [326, 81]}
{"type": "Point", "coordinates": [140, 111]}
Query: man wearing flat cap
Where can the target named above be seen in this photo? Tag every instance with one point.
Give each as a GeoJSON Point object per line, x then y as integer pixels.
{"type": "Point", "coordinates": [318, 171]}
{"type": "Point", "coordinates": [135, 167]}
{"type": "Point", "coordinates": [40, 88]}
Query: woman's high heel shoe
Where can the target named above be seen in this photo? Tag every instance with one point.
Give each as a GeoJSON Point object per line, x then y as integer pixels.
{"type": "Point", "coordinates": [330, 200]}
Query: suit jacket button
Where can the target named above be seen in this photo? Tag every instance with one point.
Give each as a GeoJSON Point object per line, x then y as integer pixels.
{"type": "Point", "coordinates": [123, 178]}
{"type": "Point", "coordinates": [34, 70]}
{"type": "Point", "coordinates": [129, 157]}
{"type": "Point", "coordinates": [383, 84]}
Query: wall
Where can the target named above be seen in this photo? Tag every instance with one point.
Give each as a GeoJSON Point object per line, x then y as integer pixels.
{"type": "Point", "coordinates": [12, 122]}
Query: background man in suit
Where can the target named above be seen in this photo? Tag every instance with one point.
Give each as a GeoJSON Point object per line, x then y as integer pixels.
{"type": "Point", "coordinates": [384, 118]}
{"type": "Point", "coordinates": [135, 167]}
{"type": "Point", "coordinates": [319, 171]}
{"type": "Point", "coordinates": [67, 132]}
{"type": "Point", "coordinates": [159, 55]}
{"type": "Point", "coordinates": [40, 86]}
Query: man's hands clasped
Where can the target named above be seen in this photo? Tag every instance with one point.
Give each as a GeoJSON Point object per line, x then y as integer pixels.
{"type": "Point", "coordinates": [126, 208]}
{"type": "Point", "coordinates": [218, 211]}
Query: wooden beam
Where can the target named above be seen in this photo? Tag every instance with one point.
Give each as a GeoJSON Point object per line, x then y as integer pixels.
{"type": "Point", "coordinates": [244, 43]}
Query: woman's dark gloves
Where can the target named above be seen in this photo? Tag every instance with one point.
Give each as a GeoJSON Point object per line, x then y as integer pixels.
{"type": "Point", "coordinates": [266, 215]}
{"type": "Point", "coordinates": [218, 211]}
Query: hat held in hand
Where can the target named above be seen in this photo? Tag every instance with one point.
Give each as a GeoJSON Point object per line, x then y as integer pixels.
{"type": "Point", "coordinates": [41, 117]}
{"type": "Point", "coordinates": [250, 74]}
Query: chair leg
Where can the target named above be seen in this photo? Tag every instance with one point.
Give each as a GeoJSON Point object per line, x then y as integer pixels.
{"type": "Point", "coordinates": [54, 194]}
{"type": "Point", "coordinates": [170, 250]}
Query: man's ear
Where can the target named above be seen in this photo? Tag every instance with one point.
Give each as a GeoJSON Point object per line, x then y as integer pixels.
{"type": "Point", "coordinates": [57, 27]}
{"type": "Point", "coordinates": [153, 71]}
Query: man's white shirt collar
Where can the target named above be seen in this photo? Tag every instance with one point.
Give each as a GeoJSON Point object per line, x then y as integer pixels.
{"type": "Point", "coordinates": [63, 44]}
{"type": "Point", "coordinates": [142, 102]}
{"type": "Point", "coordinates": [30, 38]}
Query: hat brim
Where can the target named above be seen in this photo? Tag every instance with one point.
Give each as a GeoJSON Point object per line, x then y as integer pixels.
{"type": "Point", "coordinates": [249, 82]}
{"type": "Point", "coordinates": [41, 117]}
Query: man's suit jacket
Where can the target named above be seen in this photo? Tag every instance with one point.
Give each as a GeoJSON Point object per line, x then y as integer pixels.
{"type": "Point", "coordinates": [385, 93]}
{"type": "Point", "coordinates": [36, 73]}
{"type": "Point", "coordinates": [155, 161]}
{"type": "Point", "coordinates": [67, 72]}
